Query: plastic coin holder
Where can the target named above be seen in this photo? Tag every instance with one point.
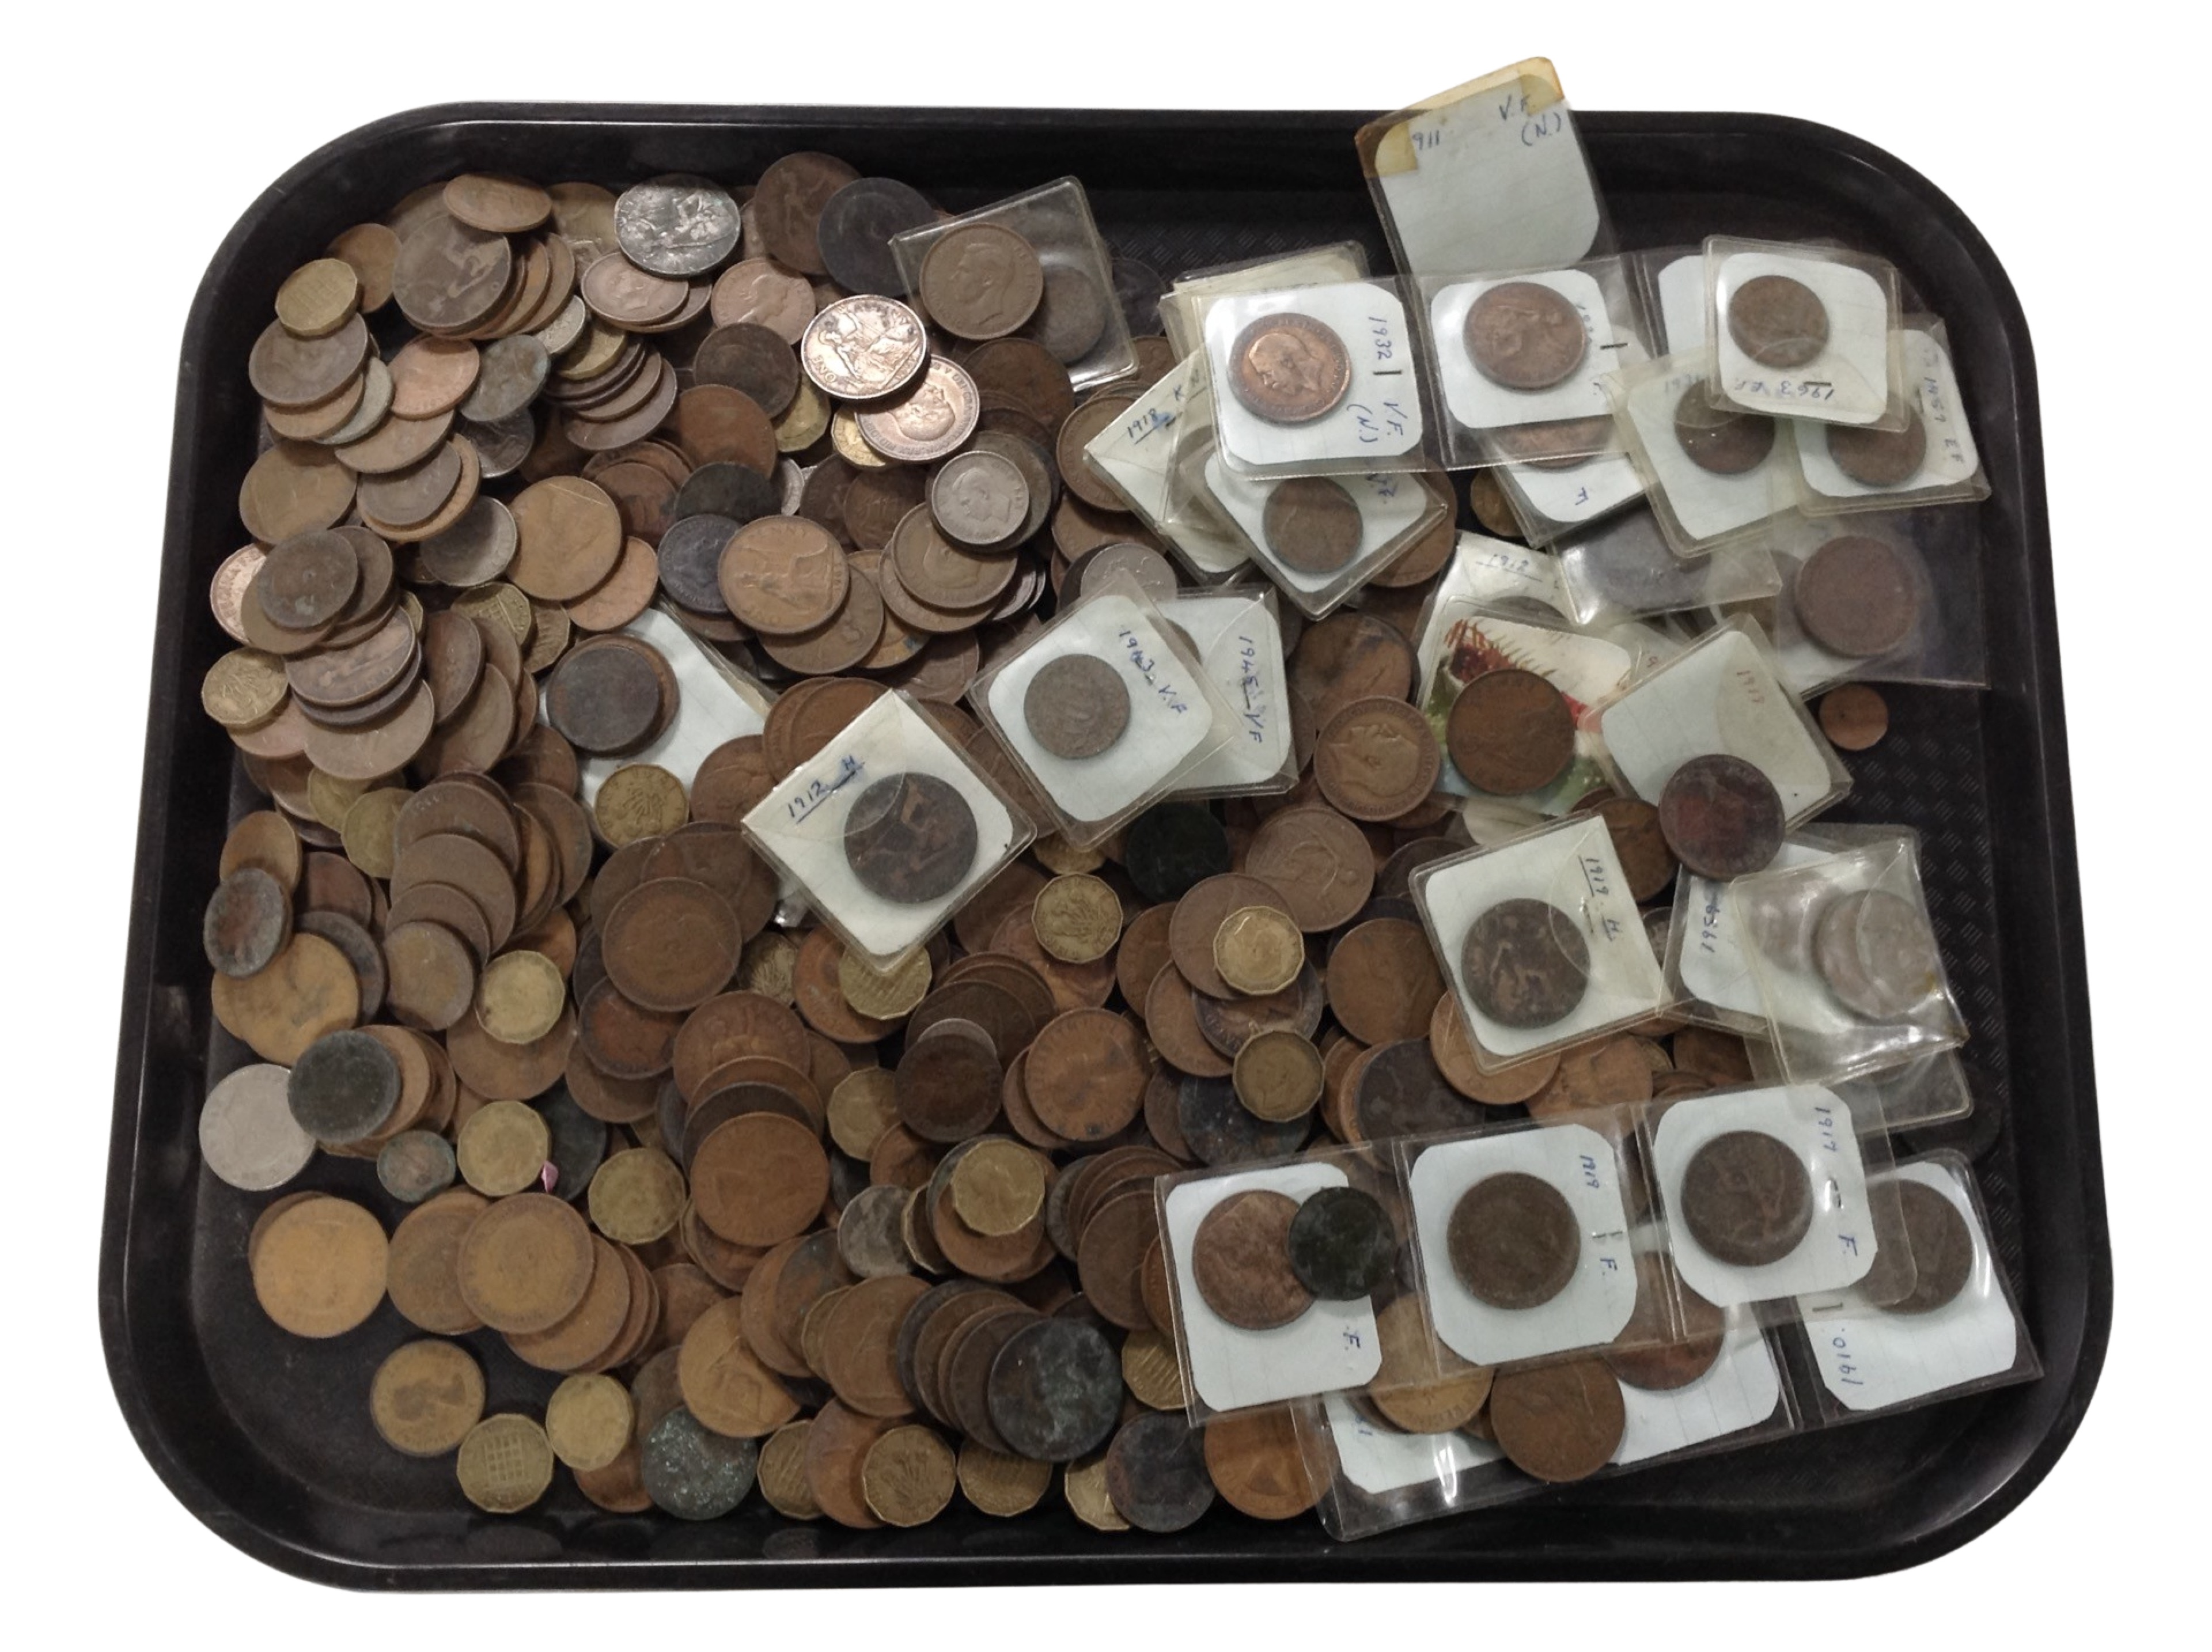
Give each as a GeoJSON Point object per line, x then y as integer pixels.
{"type": "Point", "coordinates": [1056, 220]}
{"type": "Point", "coordinates": [1839, 1154]}
{"type": "Point", "coordinates": [713, 704]}
{"type": "Point", "coordinates": [1708, 961]}
{"type": "Point", "coordinates": [1592, 1180]}
{"type": "Point", "coordinates": [1928, 1091]}
{"type": "Point", "coordinates": [1347, 374]}
{"type": "Point", "coordinates": [1569, 867]}
{"type": "Point", "coordinates": [1483, 419]}
{"type": "Point", "coordinates": [1552, 501]}
{"type": "Point", "coordinates": [1699, 506]}
{"type": "Point", "coordinates": [1670, 283]}
{"type": "Point", "coordinates": [1182, 308]}
{"type": "Point", "coordinates": [1931, 607]}
{"type": "Point", "coordinates": [1377, 1478]}
{"type": "Point", "coordinates": [1741, 1400]}
{"type": "Point", "coordinates": [1462, 641]}
{"type": "Point", "coordinates": [887, 763]}
{"type": "Point", "coordinates": [1846, 367]}
{"type": "Point", "coordinates": [1624, 569]}
{"type": "Point", "coordinates": [1846, 962]}
{"type": "Point", "coordinates": [1332, 1345]}
{"type": "Point", "coordinates": [1867, 1360]}
{"type": "Point", "coordinates": [1488, 175]}
{"type": "Point", "coordinates": [1950, 467]}
{"type": "Point", "coordinates": [1724, 694]}
{"type": "Point", "coordinates": [1396, 509]}
{"type": "Point", "coordinates": [1175, 720]}
{"type": "Point", "coordinates": [1239, 643]}
{"type": "Point", "coordinates": [1142, 457]}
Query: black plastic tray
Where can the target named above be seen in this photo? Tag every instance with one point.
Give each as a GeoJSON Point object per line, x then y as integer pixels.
{"type": "Point", "coordinates": [266, 1437]}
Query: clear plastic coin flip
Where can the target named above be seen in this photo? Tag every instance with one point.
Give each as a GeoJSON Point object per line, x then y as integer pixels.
{"type": "Point", "coordinates": [1239, 643]}
{"type": "Point", "coordinates": [1624, 569]}
{"type": "Point", "coordinates": [1322, 538]}
{"type": "Point", "coordinates": [1933, 460]}
{"type": "Point", "coordinates": [1147, 457]}
{"type": "Point", "coordinates": [1805, 331]}
{"type": "Point", "coordinates": [1713, 474]}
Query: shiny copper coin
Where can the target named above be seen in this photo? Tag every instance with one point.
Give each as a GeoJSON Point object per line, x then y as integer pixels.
{"type": "Point", "coordinates": [1525, 336]}
{"type": "Point", "coordinates": [1854, 717]}
{"type": "Point", "coordinates": [1289, 368]}
{"type": "Point", "coordinates": [1240, 1260]}
{"type": "Point", "coordinates": [1777, 321]}
{"type": "Point", "coordinates": [1721, 817]}
{"type": "Point", "coordinates": [1510, 732]}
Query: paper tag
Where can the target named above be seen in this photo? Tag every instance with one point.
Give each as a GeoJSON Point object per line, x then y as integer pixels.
{"type": "Point", "coordinates": [1870, 1359]}
{"type": "Point", "coordinates": [1714, 967]}
{"type": "Point", "coordinates": [1480, 405]}
{"type": "Point", "coordinates": [1138, 452]}
{"type": "Point", "coordinates": [1849, 381]}
{"type": "Point", "coordinates": [1582, 493]}
{"type": "Point", "coordinates": [1682, 304]}
{"type": "Point", "coordinates": [1496, 180]}
{"type": "Point", "coordinates": [1171, 715]}
{"type": "Point", "coordinates": [1719, 695]}
{"type": "Point", "coordinates": [1573, 866]}
{"type": "Point", "coordinates": [1840, 1246]}
{"type": "Point", "coordinates": [1487, 570]}
{"type": "Point", "coordinates": [1462, 643]}
{"type": "Point", "coordinates": [1707, 505]}
{"type": "Point", "coordinates": [1379, 416]}
{"type": "Point", "coordinates": [1378, 1460]}
{"type": "Point", "coordinates": [802, 824]}
{"type": "Point", "coordinates": [710, 710]}
{"type": "Point", "coordinates": [1596, 1303]}
{"type": "Point", "coordinates": [1182, 311]}
{"type": "Point", "coordinates": [1739, 1391]}
{"type": "Point", "coordinates": [1392, 503]}
{"type": "Point", "coordinates": [1950, 460]}
{"type": "Point", "coordinates": [1242, 649]}
{"type": "Point", "coordinates": [1332, 1345]}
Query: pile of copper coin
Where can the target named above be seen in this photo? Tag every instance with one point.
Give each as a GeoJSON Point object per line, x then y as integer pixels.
{"type": "Point", "coordinates": [777, 1226]}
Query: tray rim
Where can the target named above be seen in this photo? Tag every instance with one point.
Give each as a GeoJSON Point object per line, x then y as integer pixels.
{"type": "Point", "coordinates": [2043, 684]}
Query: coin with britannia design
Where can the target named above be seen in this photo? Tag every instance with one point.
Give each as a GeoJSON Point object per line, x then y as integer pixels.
{"type": "Point", "coordinates": [860, 348]}
{"type": "Point", "coordinates": [911, 838]}
{"type": "Point", "coordinates": [676, 225]}
{"type": "Point", "coordinates": [1525, 336]}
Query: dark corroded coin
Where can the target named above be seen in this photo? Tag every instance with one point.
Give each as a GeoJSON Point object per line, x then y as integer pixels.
{"type": "Point", "coordinates": [676, 225]}
{"type": "Point", "coordinates": [1524, 336]}
{"type": "Point", "coordinates": [1880, 459]}
{"type": "Point", "coordinates": [1778, 322]}
{"type": "Point", "coordinates": [578, 1142]}
{"type": "Point", "coordinates": [1718, 440]}
{"type": "Point", "coordinates": [1857, 596]}
{"type": "Point", "coordinates": [1055, 1390]}
{"type": "Point", "coordinates": [1341, 1243]}
{"type": "Point", "coordinates": [1559, 1423]}
{"type": "Point", "coordinates": [1935, 1244]}
{"type": "Point", "coordinates": [307, 579]}
{"type": "Point", "coordinates": [1077, 706]}
{"type": "Point", "coordinates": [1403, 1092]}
{"type": "Point", "coordinates": [723, 488]}
{"type": "Point", "coordinates": [1877, 954]}
{"type": "Point", "coordinates": [1240, 1259]}
{"type": "Point", "coordinates": [1510, 732]}
{"type": "Point", "coordinates": [605, 698]}
{"type": "Point", "coordinates": [1746, 1198]}
{"type": "Point", "coordinates": [911, 838]}
{"type": "Point", "coordinates": [1312, 523]}
{"type": "Point", "coordinates": [1655, 1350]}
{"type": "Point", "coordinates": [690, 560]}
{"type": "Point", "coordinates": [415, 1164]}
{"type": "Point", "coordinates": [343, 1087]}
{"type": "Point", "coordinates": [1156, 1472]}
{"type": "Point", "coordinates": [748, 356]}
{"type": "Point", "coordinates": [1173, 846]}
{"type": "Point", "coordinates": [248, 921]}
{"type": "Point", "coordinates": [1220, 1130]}
{"type": "Point", "coordinates": [1071, 315]}
{"type": "Point", "coordinates": [1525, 963]}
{"type": "Point", "coordinates": [1289, 368]}
{"type": "Point", "coordinates": [854, 232]}
{"type": "Point", "coordinates": [692, 1471]}
{"type": "Point", "coordinates": [1514, 1241]}
{"type": "Point", "coordinates": [1721, 817]}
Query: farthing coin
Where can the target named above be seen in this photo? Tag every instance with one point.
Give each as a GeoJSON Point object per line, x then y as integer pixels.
{"type": "Point", "coordinates": [1721, 817]}
{"type": "Point", "coordinates": [1514, 1241]}
{"type": "Point", "coordinates": [1746, 1198]}
{"type": "Point", "coordinates": [1077, 706]}
{"type": "Point", "coordinates": [1525, 963]}
{"type": "Point", "coordinates": [911, 838]}
{"type": "Point", "coordinates": [1525, 336]}
{"type": "Point", "coordinates": [1289, 368]}
{"type": "Point", "coordinates": [1777, 321]}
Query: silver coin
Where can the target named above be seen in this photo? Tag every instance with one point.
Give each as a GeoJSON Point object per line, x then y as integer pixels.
{"type": "Point", "coordinates": [979, 499]}
{"type": "Point", "coordinates": [676, 225]}
{"type": "Point", "coordinates": [247, 1133]}
{"type": "Point", "coordinates": [510, 372]}
{"type": "Point", "coordinates": [476, 549]}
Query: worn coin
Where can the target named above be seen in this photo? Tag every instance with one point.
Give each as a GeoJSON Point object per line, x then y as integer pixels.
{"type": "Point", "coordinates": [1718, 440]}
{"type": "Point", "coordinates": [1514, 1241]}
{"type": "Point", "coordinates": [1172, 847]}
{"type": "Point", "coordinates": [693, 1473]}
{"type": "Point", "coordinates": [1077, 917]}
{"type": "Point", "coordinates": [1525, 963]}
{"type": "Point", "coordinates": [1934, 1242]}
{"type": "Point", "coordinates": [1341, 1243]}
{"type": "Point", "coordinates": [1054, 1390]}
{"type": "Point", "coordinates": [505, 1464]}
{"type": "Point", "coordinates": [1645, 859]}
{"type": "Point", "coordinates": [1721, 817]}
{"type": "Point", "coordinates": [343, 1087]}
{"type": "Point", "coordinates": [416, 1165]}
{"type": "Point", "coordinates": [247, 922]}
{"type": "Point", "coordinates": [307, 581]}
{"type": "Point", "coordinates": [247, 1134]}
{"type": "Point", "coordinates": [450, 275]}
{"type": "Point", "coordinates": [1509, 732]}
{"type": "Point", "coordinates": [1525, 336]}
{"type": "Point", "coordinates": [1746, 1199]}
{"type": "Point", "coordinates": [426, 1396]}
{"type": "Point", "coordinates": [1377, 759]}
{"type": "Point", "coordinates": [1312, 524]}
{"type": "Point", "coordinates": [862, 348]}
{"type": "Point", "coordinates": [930, 418]}
{"type": "Point", "coordinates": [981, 281]}
{"type": "Point", "coordinates": [1277, 1075]}
{"type": "Point", "coordinates": [1855, 596]}
{"type": "Point", "coordinates": [1877, 954]}
{"type": "Point", "coordinates": [1076, 707]}
{"type": "Point", "coordinates": [910, 837]}
{"type": "Point", "coordinates": [1777, 321]}
{"type": "Point", "coordinates": [1289, 368]}
{"type": "Point", "coordinates": [1156, 1472]}
{"type": "Point", "coordinates": [1558, 1423]}
{"type": "Point", "coordinates": [1240, 1260]}
{"type": "Point", "coordinates": [783, 575]}
{"type": "Point", "coordinates": [1673, 1336]}
{"type": "Point", "coordinates": [588, 1420]}
{"type": "Point", "coordinates": [907, 1477]}
{"type": "Point", "coordinates": [318, 1265]}
{"type": "Point", "coordinates": [854, 230]}
{"type": "Point", "coordinates": [1854, 717]}
{"type": "Point", "coordinates": [1879, 458]}
{"type": "Point", "coordinates": [676, 225]}
{"type": "Point", "coordinates": [979, 499]}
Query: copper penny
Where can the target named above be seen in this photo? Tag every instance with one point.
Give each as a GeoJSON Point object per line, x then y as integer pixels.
{"type": "Point", "coordinates": [981, 281]}
{"type": "Point", "coordinates": [1674, 1335]}
{"type": "Point", "coordinates": [1510, 732]}
{"type": "Point", "coordinates": [1514, 1241]}
{"type": "Point", "coordinates": [1854, 717]}
{"type": "Point", "coordinates": [1289, 368]}
{"type": "Point", "coordinates": [1559, 1423]}
{"type": "Point", "coordinates": [1717, 440]}
{"type": "Point", "coordinates": [1525, 963]}
{"type": "Point", "coordinates": [1086, 1074]}
{"type": "Point", "coordinates": [1240, 1260]}
{"type": "Point", "coordinates": [671, 943]}
{"type": "Point", "coordinates": [1877, 954]}
{"type": "Point", "coordinates": [1525, 336]}
{"type": "Point", "coordinates": [1312, 524]}
{"type": "Point", "coordinates": [783, 575]}
{"type": "Point", "coordinates": [1777, 321]}
{"type": "Point", "coordinates": [1857, 596]}
{"type": "Point", "coordinates": [1746, 1198]}
{"type": "Point", "coordinates": [1383, 981]}
{"type": "Point", "coordinates": [1646, 861]}
{"type": "Point", "coordinates": [1077, 706]}
{"type": "Point", "coordinates": [1377, 759]}
{"type": "Point", "coordinates": [1721, 817]}
{"type": "Point", "coordinates": [1318, 861]}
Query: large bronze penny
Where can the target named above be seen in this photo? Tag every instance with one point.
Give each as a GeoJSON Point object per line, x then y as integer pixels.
{"type": "Point", "coordinates": [1289, 368]}
{"type": "Point", "coordinates": [1721, 817]}
{"type": "Point", "coordinates": [911, 838]}
{"type": "Point", "coordinates": [1673, 1336]}
{"type": "Point", "coordinates": [1559, 1423]}
{"type": "Point", "coordinates": [1156, 1472]}
{"type": "Point", "coordinates": [1717, 440]}
{"type": "Point", "coordinates": [1514, 1241]}
{"type": "Point", "coordinates": [1077, 706]}
{"type": "Point", "coordinates": [1377, 759]}
{"type": "Point", "coordinates": [1856, 596]}
{"type": "Point", "coordinates": [1240, 1259]}
{"type": "Point", "coordinates": [1877, 954]}
{"type": "Point", "coordinates": [1778, 322]}
{"type": "Point", "coordinates": [981, 281]}
{"type": "Point", "coordinates": [1524, 336]}
{"type": "Point", "coordinates": [1312, 524]}
{"type": "Point", "coordinates": [1525, 963]}
{"type": "Point", "coordinates": [1746, 1198]}
{"type": "Point", "coordinates": [1055, 1389]}
{"type": "Point", "coordinates": [1509, 732]}
{"type": "Point", "coordinates": [1880, 459]}
{"type": "Point", "coordinates": [1935, 1243]}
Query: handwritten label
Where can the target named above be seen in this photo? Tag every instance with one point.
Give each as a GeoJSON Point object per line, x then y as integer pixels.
{"type": "Point", "coordinates": [1254, 688]}
{"type": "Point", "coordinates": [1168, 694]}
{"type": "Point", "coordinates": [816, 793]}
